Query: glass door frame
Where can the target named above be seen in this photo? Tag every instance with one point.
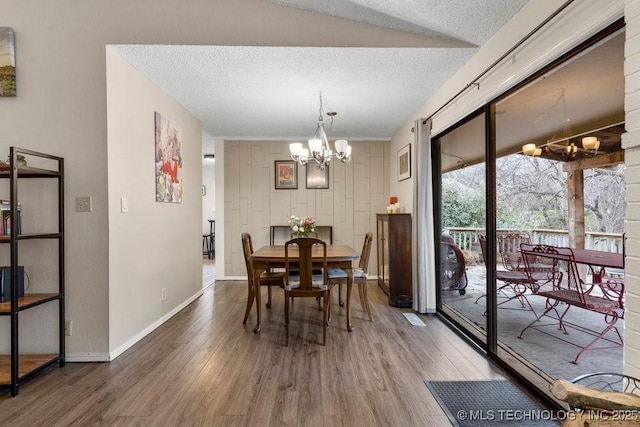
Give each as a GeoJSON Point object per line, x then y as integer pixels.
{"type": "Point", "coordinates": [489, 110]}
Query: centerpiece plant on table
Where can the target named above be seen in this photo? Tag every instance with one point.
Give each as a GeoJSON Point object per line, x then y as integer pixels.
{"type": "Point", "coordinates": [302, 227]}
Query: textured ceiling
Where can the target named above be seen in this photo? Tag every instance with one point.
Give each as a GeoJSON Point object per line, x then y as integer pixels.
{"type": "Point", "coordinates": [469, 21]}
{"type": "Point", "coordinates": [255, 92]}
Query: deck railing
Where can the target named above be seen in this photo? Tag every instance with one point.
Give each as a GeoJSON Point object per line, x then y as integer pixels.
{"type": "Point", "coordinates": [467, 238]}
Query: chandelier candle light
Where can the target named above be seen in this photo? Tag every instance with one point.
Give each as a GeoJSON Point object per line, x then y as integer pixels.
{"type": "Point", "coordinates": [590, 143]}
{"type": "Point", "coordinates": [531, 150]}
{"type": "Point", "coordinates": [318, 148]}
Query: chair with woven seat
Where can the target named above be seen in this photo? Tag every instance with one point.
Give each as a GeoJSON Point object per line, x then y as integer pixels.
{"type": "Point", "coordinates": [267, 278]}
{"type": "Point", "coordinates": [299, 280]}
{"type": "Point", "coordinates": [339, 277]}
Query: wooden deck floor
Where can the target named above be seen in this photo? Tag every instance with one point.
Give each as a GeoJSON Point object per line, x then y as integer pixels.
{"type": "Point", "coordinates": [204, 368]}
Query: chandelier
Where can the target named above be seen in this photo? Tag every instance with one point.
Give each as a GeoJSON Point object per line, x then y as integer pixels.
{"type": "Point", "coordinates": [318, 148]}
{"type": "Point", "coordinates": [564, 147]}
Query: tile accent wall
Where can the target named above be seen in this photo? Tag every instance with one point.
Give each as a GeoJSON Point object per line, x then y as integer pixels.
{"type": "Point", "coordinates": [631, 144]}
{"type": "Point", "coordinates": [357, 191]}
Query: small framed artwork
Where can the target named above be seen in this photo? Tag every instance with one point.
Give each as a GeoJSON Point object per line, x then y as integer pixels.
{"type": "Point", "coordinates": [286, 174]}
{"type": "Point", "coordinates": [404, 162]}
{"type": "Point", "coordinates": [317, 178]}
{"type": "Point", "coordinates": [7, 63]}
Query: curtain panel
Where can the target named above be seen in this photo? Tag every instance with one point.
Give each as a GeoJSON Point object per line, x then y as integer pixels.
{"type": "Point", "coordinates": [424, 285]}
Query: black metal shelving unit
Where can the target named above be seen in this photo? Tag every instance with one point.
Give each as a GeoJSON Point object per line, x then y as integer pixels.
{"type": "Point", "coordinates": [16, 367]}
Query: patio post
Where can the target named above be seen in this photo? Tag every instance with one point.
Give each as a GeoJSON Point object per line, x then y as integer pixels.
{"type": "Point", "coordinates": [575, 190]}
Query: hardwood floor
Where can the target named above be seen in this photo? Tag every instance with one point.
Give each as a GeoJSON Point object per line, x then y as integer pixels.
{"type": "Point", "coordinates": [204, 368]}
{"type": "Point", "coordinates": [208, 272]}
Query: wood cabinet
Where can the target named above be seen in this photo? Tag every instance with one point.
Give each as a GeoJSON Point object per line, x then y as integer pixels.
{"type": "Point", "coordinates": [394, 258]}
{"type": "Point", "coordinates": [30, 288]}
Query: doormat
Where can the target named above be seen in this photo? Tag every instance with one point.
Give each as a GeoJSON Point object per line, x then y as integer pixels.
{"type": "Point", "coordinates": [489, 403]}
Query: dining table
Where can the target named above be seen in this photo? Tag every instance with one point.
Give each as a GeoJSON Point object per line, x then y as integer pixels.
{"type": "Point", "coordinates": [598, 261]}
{"type": "Point", "coordinates": [272, 256]}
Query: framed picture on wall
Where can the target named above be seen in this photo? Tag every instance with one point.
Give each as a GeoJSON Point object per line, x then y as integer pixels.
{"type": "Point", "coordinates": [7, 62]}
{"type": "Point", "coordinates": [286, 175]}
{"type": "Point", "coordinates": [404, 162]}
{"type": "Point", "coordinates": [317, 178]}
{"type": "Point", "coordinates": [168, 157]}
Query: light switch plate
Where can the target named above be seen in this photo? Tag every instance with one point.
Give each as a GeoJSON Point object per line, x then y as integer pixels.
{"type": "Point", "coordinates": [83, 204]}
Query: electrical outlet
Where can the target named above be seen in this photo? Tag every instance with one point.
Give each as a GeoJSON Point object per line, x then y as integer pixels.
{"type": "Point", "coordinates": [68, 328]}
{"type": "Point", "coordinates": [164, 294]}
{"type": "Point", "coordinates": [83, 204]}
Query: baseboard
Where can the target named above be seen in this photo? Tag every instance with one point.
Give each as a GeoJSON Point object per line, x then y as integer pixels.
{"type": "Point", "coordinates": [86, 357]}
{"type": "Point", "coordinates": [232, 278]}
{"type": "Point", "coordinates": [124, 347]}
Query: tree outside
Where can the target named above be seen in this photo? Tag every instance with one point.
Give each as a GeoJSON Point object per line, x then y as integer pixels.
{"type": "Point", "coordinates": [532, 194]}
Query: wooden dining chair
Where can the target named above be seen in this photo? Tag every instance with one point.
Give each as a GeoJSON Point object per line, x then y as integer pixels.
{"type": "Point", "coordinates": [312, 234]}
{"type": "Point", "coordinates": [339, 277]}
{"type": "Point", "coordinates": [299, 280]}
{"type": "Point", "coordinates": [267, 278]}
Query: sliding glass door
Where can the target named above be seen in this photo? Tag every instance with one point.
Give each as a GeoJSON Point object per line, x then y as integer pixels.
{"type": "Point", "coordinates": [462, 219]}
{"type": "Point", "coordinates": [540, 165]}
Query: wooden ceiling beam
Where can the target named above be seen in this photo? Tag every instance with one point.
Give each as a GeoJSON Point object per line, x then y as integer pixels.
{"type": "Point", "coordinates": [600, 161]}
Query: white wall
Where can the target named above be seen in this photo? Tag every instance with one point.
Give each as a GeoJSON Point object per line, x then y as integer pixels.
{"type": "Point", "coordinates": [209, 199]}
{"type": "Point", "coordinates": [155, 245]}
{"type": "Point", "coordinates": [403, 190]}
{"type": "Point", "coordinates": [209, 181]}
{"type": "Point", "coordinates": [219, 207]}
